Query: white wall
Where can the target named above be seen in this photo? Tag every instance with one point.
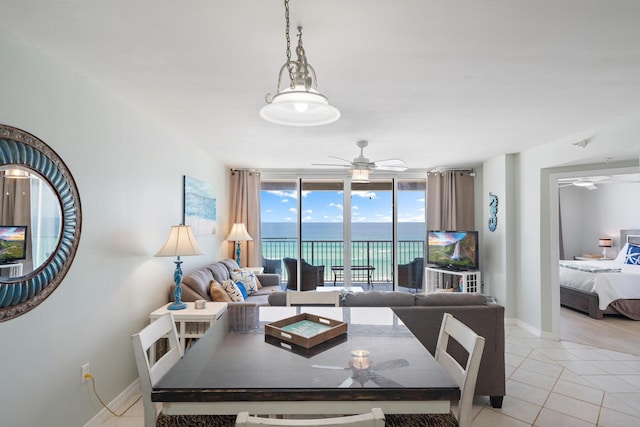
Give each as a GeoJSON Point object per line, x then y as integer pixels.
{"type": "Point", "coordinates": [535, 253]}
{"type": "Point", "coordinates": [590, 215]}
{"type": "Point", "coordinates": [129, 171]}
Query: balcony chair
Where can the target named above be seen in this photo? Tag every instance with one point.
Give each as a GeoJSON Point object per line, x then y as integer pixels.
{"type": "Point", "coordinates": [465, 377]}
{"type": "Point", "coordinates": [150, 372]}
{"type": "Point", "coordinates": [375, 418]}
{"type": "Point", "coordinates": [312, 275]}
{"type": "Point", "coordinates": [411, 275]}
{"type": "Point", "coordinates": [272, 266]}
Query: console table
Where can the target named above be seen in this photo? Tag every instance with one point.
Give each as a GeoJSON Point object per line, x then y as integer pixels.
{"type": "Point", "coordinates": [469, 281]}
{"type": "Point", "coordinates": [192, 323]}
{"type": "Point", "coordinates": [339, 269]}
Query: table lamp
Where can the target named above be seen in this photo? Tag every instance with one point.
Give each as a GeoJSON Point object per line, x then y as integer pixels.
{"type": "Point", "coordinates": [238, 234]}
{"type": "Point", "coordinates": [181, 242]}
{"type": "Point", "coordinates": [604, 243]}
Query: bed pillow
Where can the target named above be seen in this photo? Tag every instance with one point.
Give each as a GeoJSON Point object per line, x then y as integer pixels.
{"type": "Point", "coordinates": [633, 255]}
{"type": "Point", "coordinates": [248, 279]}
{"type": "Point", "coordinates": [622, 255]}
{"type": "Point", "coordinates": [232, 289]}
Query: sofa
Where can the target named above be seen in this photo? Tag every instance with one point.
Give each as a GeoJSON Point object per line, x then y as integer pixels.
{"type": "Point", "coordinates": [196, 285]}
{"type": "Point", "coordinates": [422, 314]}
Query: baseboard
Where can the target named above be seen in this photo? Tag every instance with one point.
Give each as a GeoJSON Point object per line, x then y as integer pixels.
{"type": "Point", "coordinates": [523, 325]}
{"type": "Point", "coordinates": [117, 405]}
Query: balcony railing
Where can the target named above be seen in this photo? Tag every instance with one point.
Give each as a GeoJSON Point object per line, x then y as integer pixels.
{"type": "Point", "coordinates": [377, 253]}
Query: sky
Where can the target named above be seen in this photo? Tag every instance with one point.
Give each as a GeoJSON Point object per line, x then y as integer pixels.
{"type": "Point", "coordinates": [327, 206]}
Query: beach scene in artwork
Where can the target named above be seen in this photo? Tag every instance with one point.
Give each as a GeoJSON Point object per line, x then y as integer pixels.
{"type": "Point", "coordinates": [199, 206]}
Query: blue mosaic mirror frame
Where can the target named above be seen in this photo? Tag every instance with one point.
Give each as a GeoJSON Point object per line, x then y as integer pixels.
{"type": "Point", "coordinates": [18, 295]}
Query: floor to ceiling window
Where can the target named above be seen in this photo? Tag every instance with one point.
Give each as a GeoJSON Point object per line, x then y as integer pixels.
{"type": "Point", "coordinates": [351, 229]}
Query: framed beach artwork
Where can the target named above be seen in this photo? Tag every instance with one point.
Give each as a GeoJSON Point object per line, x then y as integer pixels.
{"type": "Point", "coordinates": [199, 208]}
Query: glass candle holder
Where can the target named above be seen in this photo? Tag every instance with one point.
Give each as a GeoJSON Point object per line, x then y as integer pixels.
{"type": "Point", "coordinates": [360, 359]}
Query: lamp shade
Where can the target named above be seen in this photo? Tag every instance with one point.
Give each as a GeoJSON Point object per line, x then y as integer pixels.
{"type": "Point", "coordinates": [604, 243]}
{"type": "Point", "coordinates": [181, 242]}
{"type": "Point", "coordinates": [300, 107]}
{"type": "Point", "coordinates": [360, 175]}
{"type": "Point", "coordinates": [239, 233]}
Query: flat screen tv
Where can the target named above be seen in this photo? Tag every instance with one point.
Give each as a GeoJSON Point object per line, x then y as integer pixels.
{"type": "Point", "coordinates": [454, 250]}
{"type": "Point", "coordinates": [13, 243]}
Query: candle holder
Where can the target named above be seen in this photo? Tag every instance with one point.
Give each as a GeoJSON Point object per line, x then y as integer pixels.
{"type": "Point", "coordinates": [360, 359]}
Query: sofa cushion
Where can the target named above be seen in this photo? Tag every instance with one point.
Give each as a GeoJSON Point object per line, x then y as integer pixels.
{"type": "Point", "coordinates": [230, 264]}
{"type": "Point", "coordinates": [378, 299]}
{"type": "Point", "coordinates": [450, 298]}
{"type": "Point", "coordinates": [233, 290]}
{"type": "Point", "coordinates": [219, 272]}
{"type": "Point", "coordinates": [247, 278]}
{"type": "Point", "coordinates": [199, 281]}
{"type": "Point", "coordinates": [218, 293]}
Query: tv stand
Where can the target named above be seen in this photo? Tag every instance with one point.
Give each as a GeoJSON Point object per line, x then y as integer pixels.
{"type": "Point", "coordinates": [468, 281]}
{"type": "Point", "coordinates": [15, 269]}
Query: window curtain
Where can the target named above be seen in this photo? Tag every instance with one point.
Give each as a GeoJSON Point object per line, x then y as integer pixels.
{"type": "Point", "coordinates": [244, 207]}
{"type": "Point", "coordinates": [450, 201]}
{"type": "Point", "coordinates": [15, 209]}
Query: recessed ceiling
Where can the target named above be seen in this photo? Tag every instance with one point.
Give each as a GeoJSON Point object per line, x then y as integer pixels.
{"type": "Point", "coordinates": [437, 83]}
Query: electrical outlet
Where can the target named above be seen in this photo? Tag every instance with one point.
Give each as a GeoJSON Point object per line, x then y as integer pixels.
{"type": "Point", "coordinates": [84, 371]}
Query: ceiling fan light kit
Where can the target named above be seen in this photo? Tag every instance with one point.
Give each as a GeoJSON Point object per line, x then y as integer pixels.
{"type": "Point", "coordinates": [300, 104]}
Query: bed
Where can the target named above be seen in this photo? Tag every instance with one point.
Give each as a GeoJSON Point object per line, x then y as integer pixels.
{"type": "Point", "coordinates": [603, 287]}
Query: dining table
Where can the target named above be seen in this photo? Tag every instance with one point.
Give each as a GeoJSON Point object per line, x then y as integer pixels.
{"type": "Point", "coordinates": [376, 362]}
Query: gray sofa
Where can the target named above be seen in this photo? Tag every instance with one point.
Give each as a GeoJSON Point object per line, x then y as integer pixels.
{"type": "Point", "coordinates": [195, 285]}
{"type": "Point", "coordinates": [422, 313]}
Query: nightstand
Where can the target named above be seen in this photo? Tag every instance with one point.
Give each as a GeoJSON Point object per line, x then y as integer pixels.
{"type": "Point", "coordinates": [192, 323]}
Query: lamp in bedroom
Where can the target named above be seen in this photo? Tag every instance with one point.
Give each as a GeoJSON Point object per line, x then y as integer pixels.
{"type": "Point", "coordinates": [179, 243]}
{"type": "Point", "coordinates": [604, 243]}
{"type": "Point", "coordinates": [238, 234]}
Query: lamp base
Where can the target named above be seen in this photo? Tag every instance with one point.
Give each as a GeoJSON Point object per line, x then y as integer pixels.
{"type": "Point", "coordinates": [177, 306]}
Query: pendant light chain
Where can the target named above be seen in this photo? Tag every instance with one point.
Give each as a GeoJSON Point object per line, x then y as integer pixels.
{"type": "Point", "coordinates": [286, 18]}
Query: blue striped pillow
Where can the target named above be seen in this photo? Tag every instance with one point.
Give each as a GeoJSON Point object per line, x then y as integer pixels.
{"type": "Point", "coordinates": [633, 255]}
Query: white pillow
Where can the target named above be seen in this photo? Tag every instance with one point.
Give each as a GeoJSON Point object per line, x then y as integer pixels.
{"type": "Point", "coordinates": [232, 290]}
{"type": "Point", "coordinates": [622, 254]}
{"type": "Point", "coordinates": [248, 279]}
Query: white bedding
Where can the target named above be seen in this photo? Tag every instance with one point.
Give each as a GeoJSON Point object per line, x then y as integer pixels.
{"type": "Point", "coordinates": [608, 286]}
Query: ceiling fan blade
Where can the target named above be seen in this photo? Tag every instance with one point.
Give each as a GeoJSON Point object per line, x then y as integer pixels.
{"type": "Point", "coordinates": [590, 187]}
{"type": "Point", "coordinates": [390, 162]}
{"type": "Point", "coordinates": [391, 364]}
{"type": "Point", "coordinates": [391, 168]}
{"type": "Point", "coordinates": [340, 158]}
{"type": "Point", "coordinates": [330, 164]}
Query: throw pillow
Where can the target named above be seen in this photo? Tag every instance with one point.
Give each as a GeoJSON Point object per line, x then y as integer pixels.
{"type": "Point", "coordinates": [247, 277]}
{"type": "Point", "coordinates": [243, 290]}
{"type": "Point", "coordinates": [232, 290]}
{"type": "Point", "coordinates": [218, 293]}
{"type": "Point", "coordinates": [633, 255]}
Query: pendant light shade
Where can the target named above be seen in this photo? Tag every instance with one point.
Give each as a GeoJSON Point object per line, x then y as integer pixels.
{"type": "Point", "coordinates": [300, 103]}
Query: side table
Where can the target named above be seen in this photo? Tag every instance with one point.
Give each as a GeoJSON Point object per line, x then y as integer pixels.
{"type": "Point", "coordinates": [192, 323]}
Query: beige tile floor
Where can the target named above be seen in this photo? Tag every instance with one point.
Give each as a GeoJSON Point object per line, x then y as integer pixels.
{"type": "Point", "coordinates": [549, 383]}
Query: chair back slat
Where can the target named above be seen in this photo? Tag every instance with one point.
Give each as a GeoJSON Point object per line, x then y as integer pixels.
{"type": "Point", "coordinates": [375, 418]}
{"type": "Point", "coordinates": [150, 372]}
{"type": "Point", "coordinates": [465, 376]}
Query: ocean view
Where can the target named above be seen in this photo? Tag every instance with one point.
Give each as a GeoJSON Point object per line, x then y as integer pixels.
{"type": "Point", "coordinates": [333, 230]}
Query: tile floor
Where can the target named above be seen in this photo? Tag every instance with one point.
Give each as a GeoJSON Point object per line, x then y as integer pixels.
{"type": "Point", "coordinates": [549, 383]}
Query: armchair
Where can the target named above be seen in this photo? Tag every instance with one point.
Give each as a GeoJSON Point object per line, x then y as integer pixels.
{"type": "Point", "coordinates": [410, 275]}
{"type": "Point", "coordinates": [312, 275]}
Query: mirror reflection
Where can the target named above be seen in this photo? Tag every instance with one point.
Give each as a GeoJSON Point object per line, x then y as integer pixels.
{"type": "Point", "coordinates": [30, 221]}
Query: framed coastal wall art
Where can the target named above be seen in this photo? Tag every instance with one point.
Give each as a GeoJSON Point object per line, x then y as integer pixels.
{"type": "Point", "coordinates": [199, 206]}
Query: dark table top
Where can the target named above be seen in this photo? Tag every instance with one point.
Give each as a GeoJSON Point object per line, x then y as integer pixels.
{"type": "Point", "coordinates": [249, 366]}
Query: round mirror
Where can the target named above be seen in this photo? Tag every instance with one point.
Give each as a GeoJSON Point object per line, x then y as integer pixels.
{"type": "Point", "coordinates": [40, 221]}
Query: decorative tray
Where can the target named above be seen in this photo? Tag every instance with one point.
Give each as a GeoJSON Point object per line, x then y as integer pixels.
{"type": "Point", "coordinates": [306, 330]}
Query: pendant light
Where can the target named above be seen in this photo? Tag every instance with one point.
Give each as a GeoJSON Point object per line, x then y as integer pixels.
{"type": "Point", "coordinates": [299, 104]}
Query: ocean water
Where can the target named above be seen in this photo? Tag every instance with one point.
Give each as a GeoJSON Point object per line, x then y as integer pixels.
{"type": "Point", "coordinates": [333, 231]}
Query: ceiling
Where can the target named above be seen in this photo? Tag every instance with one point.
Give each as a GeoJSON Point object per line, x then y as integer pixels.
{"type": "Point", "coordinates": [436, 83]}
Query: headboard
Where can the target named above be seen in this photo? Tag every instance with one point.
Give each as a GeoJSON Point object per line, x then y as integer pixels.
{"type": "Point", "coordinates": [630, 236]}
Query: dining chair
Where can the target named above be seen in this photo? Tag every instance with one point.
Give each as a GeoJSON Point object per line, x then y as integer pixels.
{"type": "Point", "coordinates": [151, 370]}
{"type": "Point", "coordinates": [313, 298]}
{"type": "Point", "coordinates": [375, 418]}
{"type": "Point", "coordinates": [465, 377]}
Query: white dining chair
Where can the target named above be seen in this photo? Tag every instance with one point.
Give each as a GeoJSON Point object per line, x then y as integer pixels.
{"type": "Point", "coordinates": [313, 298]}
{"type": "Point", "coordinates": [151, 370]}
{"type": "Point", "coordinates": [375, 418]}
{"type": "Point", "coordinates": [465, 377]}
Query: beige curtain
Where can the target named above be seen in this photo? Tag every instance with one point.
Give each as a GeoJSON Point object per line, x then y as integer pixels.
{"type": "Point", "coordinates": [450, 201]}
{"type": "Point", "coordinates": [244, 206]}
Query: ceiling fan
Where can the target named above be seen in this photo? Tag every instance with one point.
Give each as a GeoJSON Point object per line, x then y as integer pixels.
{"type": "Point", "coordinates": [589, 182]}
{"type": "Point", "coordinates": [361, 166]}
